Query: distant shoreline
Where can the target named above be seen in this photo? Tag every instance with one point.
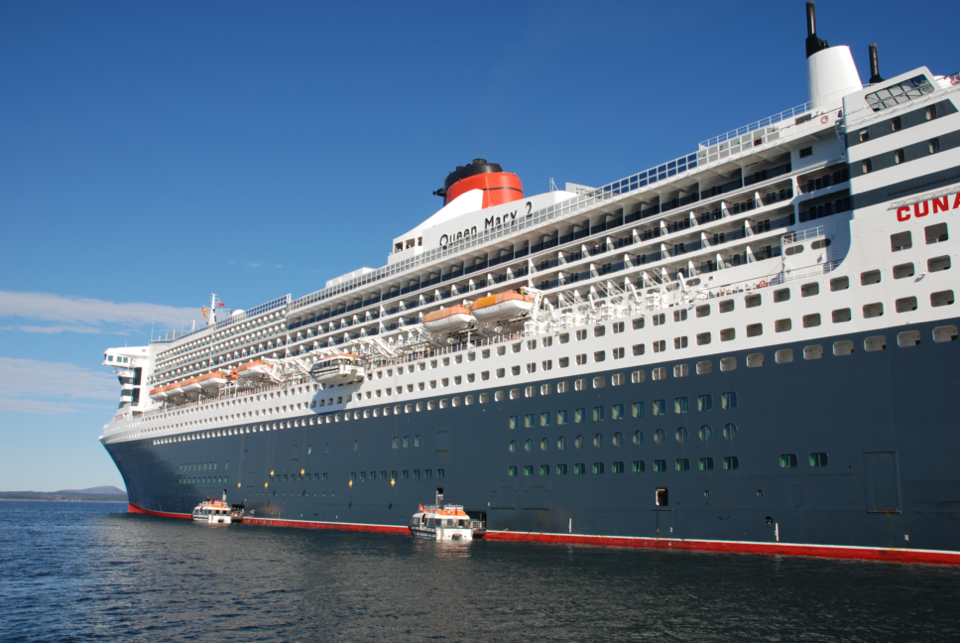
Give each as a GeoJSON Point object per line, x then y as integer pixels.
{"type": "Point", "coordinates": [121, 500]}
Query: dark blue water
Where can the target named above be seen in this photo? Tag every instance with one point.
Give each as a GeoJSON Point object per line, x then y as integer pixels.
{"type": "Point", "coordinates": [88, 572]}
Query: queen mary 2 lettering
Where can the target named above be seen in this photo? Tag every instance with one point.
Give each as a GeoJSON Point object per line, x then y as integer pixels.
{"type": "Point", "coordinates": [736, 350]}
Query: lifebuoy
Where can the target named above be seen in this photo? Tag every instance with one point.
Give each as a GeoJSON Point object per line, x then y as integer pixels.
{"type": "Point", "coordinates": [955, 79]}
{"type": "Point", "coordinates": [762, 284]}
{"type": "Point", "coordinates": [823, 119]}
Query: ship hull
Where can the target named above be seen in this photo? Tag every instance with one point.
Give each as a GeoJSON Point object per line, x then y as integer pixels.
{"type": "Point", "coordinates": [888, 420]}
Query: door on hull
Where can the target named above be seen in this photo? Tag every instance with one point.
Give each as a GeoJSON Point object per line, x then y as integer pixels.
{"type": "Point", "coordinates": [881, 477]}
{"type": "Point", "coordinates": [664, 520]}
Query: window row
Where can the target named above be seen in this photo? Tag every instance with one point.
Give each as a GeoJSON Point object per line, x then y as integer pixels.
{"type": "Point", "coordinates": [404, 474]}
{"type": "Point", "coordinates": [728, 463]}
{"type": "Point", "coordinates": [789, 460]}
{"type": "Point", "coordinates": [682, 435]}
{"type": "Point", "coordinates": [204, 480]}
{"type": "Point", "coordinates": [680, 405]}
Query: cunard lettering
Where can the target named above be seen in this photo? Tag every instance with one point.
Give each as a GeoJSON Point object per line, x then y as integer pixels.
{"type": "Point", "coordinates": [930, 206]}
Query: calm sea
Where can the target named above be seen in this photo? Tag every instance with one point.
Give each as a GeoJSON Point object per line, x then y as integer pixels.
{"type": "Point", "coordinates": [90, 572]}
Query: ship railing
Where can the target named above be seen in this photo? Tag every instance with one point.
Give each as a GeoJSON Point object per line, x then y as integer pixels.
{"type": "Point", "coordinates": [802, 235]}
{"type": "Point", "coordinates": [805, 273]}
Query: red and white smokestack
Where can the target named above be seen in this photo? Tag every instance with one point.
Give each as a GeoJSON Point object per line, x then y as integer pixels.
{"type": "Point", "coordinates": [498, 186]}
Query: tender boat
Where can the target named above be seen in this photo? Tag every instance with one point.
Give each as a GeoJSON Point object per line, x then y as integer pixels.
{"type": "Point", "coordinates": [218, 512]}
{"type": "Point", "coordinates": [448, 320]}
{"type": "Point", "coordinates": [445, 523]}
{"type": "Point", "coordinates": [505, 305]}
{"type": "Point", "coordinates": [339, 369]}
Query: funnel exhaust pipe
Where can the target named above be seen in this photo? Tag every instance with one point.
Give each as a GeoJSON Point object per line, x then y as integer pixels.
{"type": "Point", "coordinates": [874, 66]}
{"type": "Point", "coordinates": [814, 44]}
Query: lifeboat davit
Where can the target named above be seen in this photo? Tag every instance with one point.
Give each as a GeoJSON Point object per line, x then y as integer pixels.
{"type": "Point", "coordinates": [448, 320]}
{"type": "Point", "coordinates": [339, 369]}
{"type": "Point", "coordinates": [505, 305]}
{"type": "Point", "coordinates": [212, 380]}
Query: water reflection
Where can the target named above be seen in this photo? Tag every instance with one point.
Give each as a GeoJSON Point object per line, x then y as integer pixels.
{"type": "Point", "coordinates": [114, 575]}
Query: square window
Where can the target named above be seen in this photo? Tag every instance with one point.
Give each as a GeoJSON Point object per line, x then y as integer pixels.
{"type": "Point", "coordinates": [936, 264]}
{"type": "Point", "coordinates": [942, 298]}
{"type": "Point", "coordinates": [936, 233]}
{"type": "Point", "coordinates": [906, 305]}
{"type": "Point", "coordinates": [901, 241]}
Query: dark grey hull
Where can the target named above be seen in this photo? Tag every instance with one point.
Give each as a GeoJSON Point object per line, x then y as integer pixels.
{"type": "Point", "coordinates": [888, 421]}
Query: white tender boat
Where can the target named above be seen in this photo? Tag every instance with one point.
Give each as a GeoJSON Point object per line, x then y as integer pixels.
{"type": "Point", "coordinates": [217, 512]}
{"type": "Point", "coordinates": [445, 523]}
{"type": "Point", "coordinates": [339, 369]}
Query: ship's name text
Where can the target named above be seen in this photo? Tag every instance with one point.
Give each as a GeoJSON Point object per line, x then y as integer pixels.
{"type": "Point", "coordinates": [507, 218]}
{"type": "Point", "coordinates": [930, 206]}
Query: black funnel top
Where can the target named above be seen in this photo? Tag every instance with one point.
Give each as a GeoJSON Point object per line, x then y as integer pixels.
{"type": "Point", "coordinates": [479, 166]}
{"type": "Point", "coordinates": [814, 44]}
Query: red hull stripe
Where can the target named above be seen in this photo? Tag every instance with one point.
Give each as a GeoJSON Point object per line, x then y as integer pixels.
{"type": "Point", "coordinates": [134, 509]}
{"type": "Point", "coordinates": [783, 549]}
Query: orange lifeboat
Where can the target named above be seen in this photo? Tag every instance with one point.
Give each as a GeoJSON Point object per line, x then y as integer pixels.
{"type": "Point", "coordinates": [448, 320]}
{"type": "Point", "coordinates": [212, 380]}
{"type": "Point", "coordinates": [251, 370]}
{"type": "Point", "coordinates": [505, 305]}
{"type": "Point", "coordinates": [160, 394]}
{"type": "Point", "coordinates": [191, 386]}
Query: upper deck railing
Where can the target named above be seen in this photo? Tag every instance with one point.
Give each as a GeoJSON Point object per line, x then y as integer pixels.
{"type": "Point", "coordinates": [564, 209]}
{"type": "Point", "coordinates": [763, 122]}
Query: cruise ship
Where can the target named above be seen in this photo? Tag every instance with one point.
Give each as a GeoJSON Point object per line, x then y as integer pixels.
{"type": "Point", "coordinates": [750, 348]}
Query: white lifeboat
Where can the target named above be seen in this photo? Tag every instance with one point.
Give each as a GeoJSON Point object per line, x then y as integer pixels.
{"type": "Point", "coordinates": [505, 305]}
{"type": "Point", "coordinates": [252, 370]}
{"type": "Point", "coordinates": [448, 320]}
{"type": "Point", "coordinates": [339, 369]}
{"type": "Point", "coordinates": [212, 380]}
{"type": "Point", "coordinates": [159, 394]}
{"type": "Point", "coordinates": [191, 386]}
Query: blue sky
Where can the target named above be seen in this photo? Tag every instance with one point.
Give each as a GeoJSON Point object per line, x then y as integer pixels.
{"type": "Point", "coordinates": [152, 153]}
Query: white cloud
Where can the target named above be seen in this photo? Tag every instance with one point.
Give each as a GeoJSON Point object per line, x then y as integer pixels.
{"type": "Point", "coordinates": [82, 315]}
{"type": "Point", "coordinates": [34, 386]}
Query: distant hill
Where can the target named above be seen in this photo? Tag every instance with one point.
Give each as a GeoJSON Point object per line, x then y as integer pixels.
{"type": "Point", "coordinates": [106, 490]}
{"type": "Point", "coordinates": [93, 494]}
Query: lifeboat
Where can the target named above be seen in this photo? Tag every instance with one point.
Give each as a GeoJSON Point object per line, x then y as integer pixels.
{"type": "Point", "coordinates": [448, 320]}
{"type": "Point", "coordinates": [212, 380]}
{"type": "Point", "coordinates": [339, 369]}
{"type": "Point", "coordinates": [505, 305]}
{"type": "Point", "coordinates": [252, 370]}
{"type": "Point", "coordinates": [174, 390]}
{"type": "Point", "coordinates": [159, 394]}
{"type": "Point", "coordinates": [191, 386]}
